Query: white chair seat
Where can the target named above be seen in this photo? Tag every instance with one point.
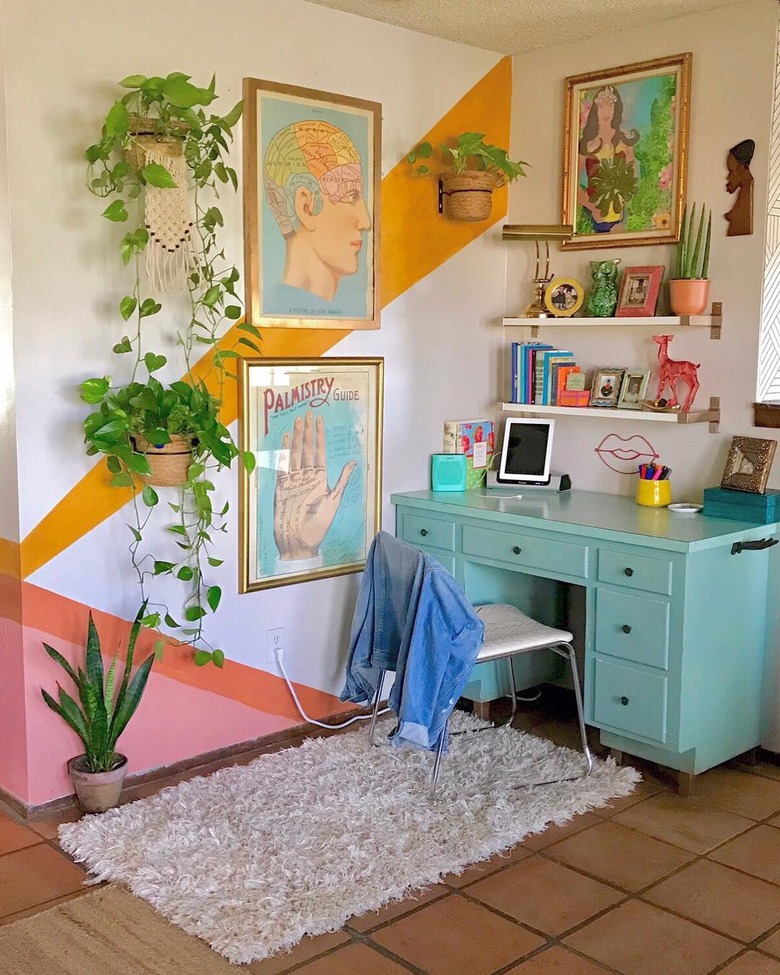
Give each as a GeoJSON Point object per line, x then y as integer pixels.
{"type": "Point", "coordinates": [508, 631]}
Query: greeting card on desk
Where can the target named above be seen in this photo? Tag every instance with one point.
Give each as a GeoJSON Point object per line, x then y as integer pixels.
{"type": "Point", "coordinates": [475, 439]}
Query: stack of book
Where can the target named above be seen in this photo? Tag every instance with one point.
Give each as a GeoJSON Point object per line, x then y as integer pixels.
{"type": "Point", "coordinates": [539, 373]}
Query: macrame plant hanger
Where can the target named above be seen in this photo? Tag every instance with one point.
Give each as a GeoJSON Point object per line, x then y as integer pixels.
{"type": "Point", "coordinates": [169, 253]}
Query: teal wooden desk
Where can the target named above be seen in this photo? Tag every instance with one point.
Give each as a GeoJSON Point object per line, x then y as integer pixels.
{"type": "Point", "coordinates": [671, 614]}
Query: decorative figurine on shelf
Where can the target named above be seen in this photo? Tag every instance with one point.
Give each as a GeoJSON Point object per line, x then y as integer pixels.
{"type": "Point", "coordinates": [740, 181]}
{"type": "Point", "coordinates": [673, 369]}
{"type": "Point", "coordinates": [603, 296]}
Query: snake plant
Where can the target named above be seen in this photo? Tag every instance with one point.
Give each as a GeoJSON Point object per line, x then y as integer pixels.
{"type": "Point", "coordinates": [105, 710]}
{"type": "Point", "coordinates": [691, 261]}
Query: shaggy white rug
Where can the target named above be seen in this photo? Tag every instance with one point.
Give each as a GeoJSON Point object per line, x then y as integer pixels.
{"type": "Point", "coordinates": [252, 858]}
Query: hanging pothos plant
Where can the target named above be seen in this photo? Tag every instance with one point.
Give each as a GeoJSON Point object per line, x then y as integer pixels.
{"type": "Point", "coordinates": [158, 158]}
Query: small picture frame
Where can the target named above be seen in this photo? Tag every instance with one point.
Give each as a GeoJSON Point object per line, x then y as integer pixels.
{"type": "Point", "coordinates": [639, 291]}
{"type": "Point", "coordinates": [633, 389]}
{"type": "Point", "coordinates": [607, 382]}
{"type": "Point", "coordinates": [748, 464]}
{"type": "Point", "coordinates": [563, 297]}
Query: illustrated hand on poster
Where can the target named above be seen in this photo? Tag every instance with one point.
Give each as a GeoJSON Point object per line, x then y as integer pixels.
{"type": "Point", "coordinates": [304, 506]}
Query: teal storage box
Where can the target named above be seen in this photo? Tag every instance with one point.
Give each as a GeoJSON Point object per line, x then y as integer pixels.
{"type": "Point", "coordinates": [763, 509]}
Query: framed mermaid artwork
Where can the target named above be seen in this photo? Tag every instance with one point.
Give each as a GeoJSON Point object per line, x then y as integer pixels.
{"type": "Point", "coordinates": [625, 153]}
{"type": "Point", "coordinates": [311, 207]}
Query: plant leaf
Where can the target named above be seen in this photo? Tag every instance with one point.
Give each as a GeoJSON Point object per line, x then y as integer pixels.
{"type": "Point", "coordinates": [156, 175]}
{"type": "Point", "coordinates": [127, 306]}
{"type": "Point", "coordinates": [201, 658]}
{"type": "Point", "coordinates": [154, 362]}
{"type": "Point", "coordinates": [116, 211]}
{"type": "Point", "coordinates": [213, 597]}
{"type": "Point", "coordinates": [149, 496]}
{"type": "Point", "coordinates": [218, 658]}
{"type": "Point", "coordinates": [117, 120]}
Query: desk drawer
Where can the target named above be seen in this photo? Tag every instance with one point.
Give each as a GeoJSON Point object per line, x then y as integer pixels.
{"type": "Point", "coordinates": [630, 700]}
{"type": "Point", "coordinates": [632, 627]}
{"type": "Point", "coordinates": [526, 551]}
{"type": "Point", "coordinates": [427, 531]}
{"type": "Point", "coordinates": [623, 568]}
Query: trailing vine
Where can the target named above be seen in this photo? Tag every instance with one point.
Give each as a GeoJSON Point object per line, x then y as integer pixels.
{"type": "Point", "coordinates": [170, 109]}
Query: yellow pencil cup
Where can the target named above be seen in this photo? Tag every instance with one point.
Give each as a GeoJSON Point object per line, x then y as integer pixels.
{"type": "Point", "coordinates": [653, 494]}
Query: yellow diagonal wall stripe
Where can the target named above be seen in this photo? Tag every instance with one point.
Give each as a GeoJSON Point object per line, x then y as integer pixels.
{"type": "Point", "coordinates": [415, 240]}
{"type": "Point", "coordinates": [10, 559]}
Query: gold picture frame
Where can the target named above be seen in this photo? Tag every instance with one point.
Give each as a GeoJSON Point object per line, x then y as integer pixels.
{"type": "Point", "coordinates": [312, 183]}
{"type": "Point", "coordinates": [610, 116]}
{"type": "Point", "coordinates": [312, 504]}
{"type": "Point", "coordinates": [748, 464]}
{"type": "Point", "coordinates": [563, 297]}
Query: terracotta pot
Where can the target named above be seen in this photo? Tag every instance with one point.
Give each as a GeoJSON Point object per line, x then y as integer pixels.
{"type": "Point", "coordinates": [689, 296]}
{"type": "Point", "coordinates": [468, 195]}
{"type": "Point", "coordinates": [97, 791]}
{"type": "Point", "coordinates": [169, 463]}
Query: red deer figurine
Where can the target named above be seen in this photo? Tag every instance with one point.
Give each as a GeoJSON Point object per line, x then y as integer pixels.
{"type": "Point", "coordinates": [673, 369]}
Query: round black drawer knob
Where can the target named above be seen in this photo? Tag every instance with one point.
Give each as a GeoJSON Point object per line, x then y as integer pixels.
{"type": "Point", "coordinates": [423, 532]}
{"type": "Point", "coordinates": [517, 550]}
{"type": "Point", "coordinates": [624, 701]}
{"type": "Point", "coordinates": [629, 572]}
{"type": "Point", "coordinates": [626, 628]}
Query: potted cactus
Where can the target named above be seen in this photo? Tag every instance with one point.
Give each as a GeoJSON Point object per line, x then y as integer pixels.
{"type": "Point", "coordinates": [689, 289]}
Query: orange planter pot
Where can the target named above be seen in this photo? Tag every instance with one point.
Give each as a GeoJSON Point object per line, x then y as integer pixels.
{"type": "Point", "coordinates": [689, 296]}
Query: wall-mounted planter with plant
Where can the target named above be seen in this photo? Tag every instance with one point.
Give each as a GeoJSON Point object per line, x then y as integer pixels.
{"type": "Point", "coordinates": [476, 169]}
{"type": "Point", "coordinates": [162, 161]}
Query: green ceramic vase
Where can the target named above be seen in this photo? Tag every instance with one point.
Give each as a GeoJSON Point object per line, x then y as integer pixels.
{"type": "Point", "coordinates": [603, 295]}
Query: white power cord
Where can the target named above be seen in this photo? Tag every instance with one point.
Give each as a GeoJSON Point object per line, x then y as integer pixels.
{"type": "Point", "coordinates": [278, 653]}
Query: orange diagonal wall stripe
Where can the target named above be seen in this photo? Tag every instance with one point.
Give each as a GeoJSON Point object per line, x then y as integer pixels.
{"type": "Point", "coordinates": [415, 240]}
{"type": "Point", "coordinates": [10, 559]}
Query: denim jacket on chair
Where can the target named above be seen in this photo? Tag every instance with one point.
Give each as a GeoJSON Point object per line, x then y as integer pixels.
{"type": "Point", "coordinates": [411, 617]}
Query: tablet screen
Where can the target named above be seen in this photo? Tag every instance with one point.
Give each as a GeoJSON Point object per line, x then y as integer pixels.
{"type": "Point", "coordinates": [526, 451]}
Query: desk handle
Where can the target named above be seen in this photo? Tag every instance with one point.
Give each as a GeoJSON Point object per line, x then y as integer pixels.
{"type": "Point", "coordinates": [629, 572]}
{"type": "Point", "coordinates": [517, 550]}
{"type": "Point", "coordinates": [624, 701]}
{"type": "Point", "coordinates": [756, 546]}
{"type": "Point", "coordinates": [626, 628]}
{"type": "Point", "coordinates": [423, 532]}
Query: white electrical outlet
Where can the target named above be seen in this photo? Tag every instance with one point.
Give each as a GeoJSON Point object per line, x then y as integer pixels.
{"type": "Point", "coordinates": [274, 642]}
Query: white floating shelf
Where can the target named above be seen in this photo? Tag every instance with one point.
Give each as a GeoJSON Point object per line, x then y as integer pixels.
{"type": "Point", "coordinates": [711, 416]}
{"type": "Point", "coordinates": [713, 322]}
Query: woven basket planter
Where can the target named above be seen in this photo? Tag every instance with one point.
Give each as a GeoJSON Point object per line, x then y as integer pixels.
{"type": "Point", "coordinates": [143, 133]}
{"type": "Point", "coordinates": [169, 463]}
{"type": "Point", "coordinates": [468, 195]}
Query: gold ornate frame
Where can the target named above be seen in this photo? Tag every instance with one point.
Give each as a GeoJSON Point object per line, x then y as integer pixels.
{"type": "Point", "coordinates": [678, 65]}
{"type": "Point", "coordinates": [263, 262]}
{"type": "Point", "coordinates": [312, 504]}
{"type": "Point", "coordinates": [748, 464]}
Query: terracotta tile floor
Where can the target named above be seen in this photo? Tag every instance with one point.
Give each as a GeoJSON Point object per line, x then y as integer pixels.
{"type": "Point", "coordinates": [653, 885]}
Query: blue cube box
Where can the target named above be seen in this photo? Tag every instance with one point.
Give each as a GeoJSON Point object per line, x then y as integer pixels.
{"type": "Point", "coordinates": [762, 509]}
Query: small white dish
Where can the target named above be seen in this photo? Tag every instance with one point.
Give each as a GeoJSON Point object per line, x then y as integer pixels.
{"type": "Point", "coordinates": [685, 508]}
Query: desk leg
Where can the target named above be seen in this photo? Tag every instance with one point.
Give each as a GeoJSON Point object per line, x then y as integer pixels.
{"type": "Point", "coordinates": [686, 784]}
{"type": "Point", "coordinates": [482, 710]}
{"type": "Point", "coordinates": [617, 755]}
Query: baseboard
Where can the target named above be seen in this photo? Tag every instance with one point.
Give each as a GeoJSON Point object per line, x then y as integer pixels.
{"type": "Point", "coordinates": [288, 738]}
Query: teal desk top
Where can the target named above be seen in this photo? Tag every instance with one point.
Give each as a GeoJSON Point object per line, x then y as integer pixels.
{"type": "Point", "coordinates": [606, 516]}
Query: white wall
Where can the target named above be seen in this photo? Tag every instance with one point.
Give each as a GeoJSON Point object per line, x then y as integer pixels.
{"type": "Point", "coordinates": [63, 62]}
{"type": "Point", "coordinates": [9, 509]}
{"type": "Point", "coordinates": [731, 100]}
